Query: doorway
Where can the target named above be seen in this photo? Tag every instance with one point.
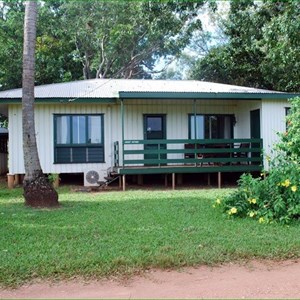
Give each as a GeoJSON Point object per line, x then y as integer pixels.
{"type": "Point", "coordinates": [255, 130]}
{"type": "Point", "coordinates": [154, 129]}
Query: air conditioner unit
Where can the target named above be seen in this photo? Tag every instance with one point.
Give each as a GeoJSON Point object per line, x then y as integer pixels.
{"type": "Point", "coordinates": [91, 178]}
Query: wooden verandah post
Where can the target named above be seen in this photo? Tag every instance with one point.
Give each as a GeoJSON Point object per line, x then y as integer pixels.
{"type": "Point", "coordinates": [123, 133]}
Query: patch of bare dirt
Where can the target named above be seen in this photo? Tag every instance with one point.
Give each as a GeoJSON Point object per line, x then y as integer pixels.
{"type": "Point", "coordinates": [266, 279]}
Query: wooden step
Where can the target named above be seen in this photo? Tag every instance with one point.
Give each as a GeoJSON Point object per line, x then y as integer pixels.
{"type": "Point", "coordinates": [114, 174]}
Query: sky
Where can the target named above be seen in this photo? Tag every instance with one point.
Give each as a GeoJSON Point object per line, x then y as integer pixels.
{"type": "Point", "coordinates": [210, 25]}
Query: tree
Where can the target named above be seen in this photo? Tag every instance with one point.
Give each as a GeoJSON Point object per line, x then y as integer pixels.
{"type": "Point", "coordinates": [54, 51]}
{"type": "Point", "coordinates": [96, 39]}
{"type": "Point", "coordinates": [281, 45]}
{"type": "Point", "coordinates": [11, 38]}
{"type": "Point", "coordinates": [263, 48]}
{"type": "Point", "coordinates": [124, 39]}
{"type": "Point", "coordinates": [38, 191]}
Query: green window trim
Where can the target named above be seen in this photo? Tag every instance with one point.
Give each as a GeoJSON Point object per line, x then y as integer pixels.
{"type": "Point", "coordinates": [81, 151]}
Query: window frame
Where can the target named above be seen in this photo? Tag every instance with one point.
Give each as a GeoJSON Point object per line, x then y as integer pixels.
{"type": "Point", "coordinates": [232, 118]}
{"type": "Point", "coordinates": [287, 112]}
{"type": "Point", "coordinates": [82, 145]}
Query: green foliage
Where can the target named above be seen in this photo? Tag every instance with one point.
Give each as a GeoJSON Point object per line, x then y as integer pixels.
{"type": "Point", "coordinates": [263, 49]}
{"type": "Point", "coordinates": [273, 199]}
{"type": "Point", "coordinates": [290, 140]}
{"type": "Point", "coordinates": [53, 177]}
{"type": "Point", "coordinates": [277, 196]}
{"type": "Point", "coordinates": [54, 52]}
{"type": "Point", "coordinates": [101, 234]}
{"type": "Point", "coordinates": [95, 39]}
{"type": "Point", "coordinates": [11, 44]}
{"type": "Point", "coordinates": [3, 121]}
{"type": "Point", "coordinates": [123, 39]}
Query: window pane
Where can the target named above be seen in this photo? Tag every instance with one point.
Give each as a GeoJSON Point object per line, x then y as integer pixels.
{"type": "Point", "coordinates": [199, 127]}
{"type": "Point", "coordinates": [95, 154]}
{"type": "Point", "coordinates": [94, 130]}
{"type": "Point", "coordinates": [79, 129]}
{"type": "Point", "coordinates": [63, 155]}
{"type": "Point", "coordinates": [79, 154]}
{"type": "Point", "coordinates": [63, 130]}
{"type": "Point", "coordinates": [154, 124]}
{"type": "Point", "coordinates": [211, 127]}
{"type": "Point", "coordinates": [228, 124]}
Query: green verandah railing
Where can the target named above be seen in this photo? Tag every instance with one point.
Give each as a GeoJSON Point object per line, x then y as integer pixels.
{"type": "Point", "coordinates": [220, 155]}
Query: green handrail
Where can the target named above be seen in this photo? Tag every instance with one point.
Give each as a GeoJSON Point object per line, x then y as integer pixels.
{"type": "Point", "coordinates": [198, 152]}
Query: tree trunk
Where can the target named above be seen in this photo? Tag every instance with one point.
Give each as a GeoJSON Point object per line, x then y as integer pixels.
{"type": "Point", "coordinates": [38, 192]}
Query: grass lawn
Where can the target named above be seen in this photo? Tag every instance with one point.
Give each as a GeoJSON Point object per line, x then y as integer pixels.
{"type": "Point", "coordinates": [110, 233]}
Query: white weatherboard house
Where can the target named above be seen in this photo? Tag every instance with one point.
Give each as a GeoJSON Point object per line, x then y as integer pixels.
{"type": "Point", "coordinates": [135, 127]}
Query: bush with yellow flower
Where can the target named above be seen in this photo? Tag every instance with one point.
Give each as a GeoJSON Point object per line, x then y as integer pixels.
{"type": "Point", "coordinates": [275, 196]}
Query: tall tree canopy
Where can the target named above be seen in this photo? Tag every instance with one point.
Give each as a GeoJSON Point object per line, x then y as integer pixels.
{"type": "Point", "coordinates": [263, 48]}
{"type": "Point", "coordinates": [54, 50]}
{"type": "Point", "coordinates": [123, 39]}
{"type": "Point", "coordinates": [96, 39]}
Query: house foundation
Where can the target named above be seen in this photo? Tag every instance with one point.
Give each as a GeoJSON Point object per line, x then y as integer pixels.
{"type": "Point", "coordinates": [14, 180]}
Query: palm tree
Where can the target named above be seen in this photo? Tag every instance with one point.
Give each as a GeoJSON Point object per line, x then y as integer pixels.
{"type": "Point", "coordinates": [38, 191]}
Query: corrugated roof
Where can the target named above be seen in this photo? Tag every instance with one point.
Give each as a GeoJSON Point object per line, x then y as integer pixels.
{"type": "Point", "coordinates": [110, 88]}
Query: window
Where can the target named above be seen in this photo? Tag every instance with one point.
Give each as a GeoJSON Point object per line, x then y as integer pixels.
{"type": "Point", "coordinates": [78, 139]}
{"type": "Point", "coordinates": [211, 126]}
{"type": "Point", "coordinates": [287, 112]}
{"type": "Point", "coordinates": [3, 143]}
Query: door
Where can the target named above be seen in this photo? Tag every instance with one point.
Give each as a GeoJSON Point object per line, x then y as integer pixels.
{"type": "Point", "coordinates": [255, 129]}
{"type": "Point", "coordinates": [154, 129]}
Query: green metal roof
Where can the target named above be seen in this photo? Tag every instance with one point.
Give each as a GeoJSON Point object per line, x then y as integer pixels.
{"type": "Point", "coordinates": [109, 90]}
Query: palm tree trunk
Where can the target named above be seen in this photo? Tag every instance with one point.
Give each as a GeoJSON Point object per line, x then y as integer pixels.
{"type": "Point", "coordinates": [38, 191]}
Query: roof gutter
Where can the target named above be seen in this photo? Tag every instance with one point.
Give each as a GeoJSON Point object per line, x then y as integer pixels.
{"type": "Point", "coordinates": [61, 100]}
{"type": "Point", "coordinates": [206, 95]}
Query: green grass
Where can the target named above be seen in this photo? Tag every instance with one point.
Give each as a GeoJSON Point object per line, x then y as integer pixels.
{"type": "Point", "coordinates": [110, 233]}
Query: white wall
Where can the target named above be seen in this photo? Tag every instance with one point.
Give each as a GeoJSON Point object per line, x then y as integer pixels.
{"type": "Point", "coordinates": [177, 111]}
{"type": "Point", "coordinates": [177, 116]}
{"type": "Point", "coordinates": [272, 122]}
{"type": "Point", "coordinates": [44, 133]}
{"type": "Point", "coordinates": [242, 128]}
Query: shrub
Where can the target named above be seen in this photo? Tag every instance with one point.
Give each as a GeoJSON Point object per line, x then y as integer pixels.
{"type": "Point", "coordinates": [290, 140]}
{"type": "Point", "coordinates": [275, 197]}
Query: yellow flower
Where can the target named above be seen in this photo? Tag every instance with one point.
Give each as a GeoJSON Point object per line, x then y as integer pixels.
{"type": "Point", "coordinates": [252, 201]}
{"type": "Point", "coordinates": [294, 188]}
{"type": "Point", "coordinates": [233, 210]}
{"type": "Point", "coordinates": [286, 183]}
{"type": "Point", "coordinates": [261, 220]}
{"type": "Point", "coordinates": [251, 214]}
{"type": "Point", "coordinates": [218, 201]}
